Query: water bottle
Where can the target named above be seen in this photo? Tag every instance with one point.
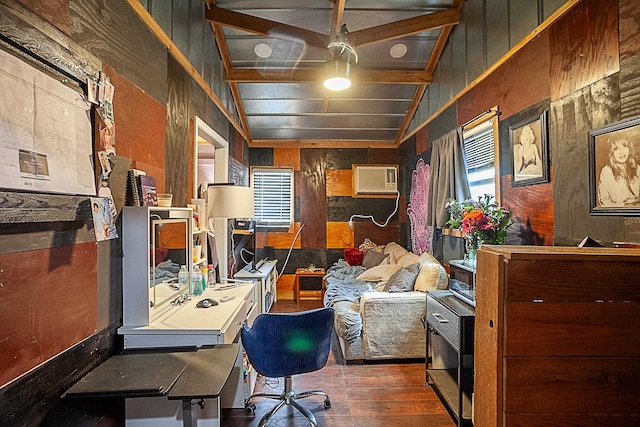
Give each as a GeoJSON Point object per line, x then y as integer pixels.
{"type": "Point", "coordinates": [205, 277]}
{"type": "Point", "coordinates": [196, 281]}
{"type": "Point", "coordinates": [211, 276]}
{"type": "Point", "coordinates": [183, 279]}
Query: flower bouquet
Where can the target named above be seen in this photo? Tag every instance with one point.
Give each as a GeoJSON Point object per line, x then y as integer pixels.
{"type": "Point", "coordinates": [482, 221]}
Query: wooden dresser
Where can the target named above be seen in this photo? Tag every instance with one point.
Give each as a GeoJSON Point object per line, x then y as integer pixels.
{"type": "Point", "coordinates": [557, 336]}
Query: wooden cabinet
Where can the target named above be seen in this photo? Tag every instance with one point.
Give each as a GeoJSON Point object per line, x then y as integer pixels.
{"type": "Point", "coordinates": [557, 336]}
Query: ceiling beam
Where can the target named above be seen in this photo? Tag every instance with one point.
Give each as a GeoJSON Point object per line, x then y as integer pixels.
{"type": "Point", "coordinates": [241, 75]}
{"type": "Point", "coordinates": [336, 19]}
{"type": "Point", "coordinates": [266, 27]}
{"type": "Point", "coordinates": [320, 143]}
{"type": "Point", "coordinates": [405, 27]}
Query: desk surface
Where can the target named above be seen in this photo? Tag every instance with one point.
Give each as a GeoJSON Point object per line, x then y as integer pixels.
{"type": "Point", "coordinates": [190, 374]}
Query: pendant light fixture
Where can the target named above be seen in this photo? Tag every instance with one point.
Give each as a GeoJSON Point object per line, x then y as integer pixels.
{"type": "Point", "coordinates": [340, 59]}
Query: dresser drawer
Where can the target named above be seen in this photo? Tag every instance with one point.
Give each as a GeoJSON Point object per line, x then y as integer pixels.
{"type": "Point", "coordinates": [444, 322]}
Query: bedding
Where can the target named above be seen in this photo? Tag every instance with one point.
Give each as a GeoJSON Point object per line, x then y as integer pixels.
{"type": "Point", "coordinates": [380, 306]}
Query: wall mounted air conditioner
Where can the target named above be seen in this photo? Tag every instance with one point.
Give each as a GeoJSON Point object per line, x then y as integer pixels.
{"type": "Point", "coordinates": [375, 179]}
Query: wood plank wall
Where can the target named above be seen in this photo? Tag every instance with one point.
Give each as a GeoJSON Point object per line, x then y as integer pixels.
{"type": "Point", "coordinates": [572, 69]}
{"type": "Point", "coordinates": [324, 203]}
{"type": "Point", "coordinates": [62, 291]}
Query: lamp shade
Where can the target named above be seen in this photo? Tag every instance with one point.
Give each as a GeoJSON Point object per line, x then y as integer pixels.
{"type": "Point", "coordinates": [336, 74]}
{"type": "Point", "coordinates": [230, 201]}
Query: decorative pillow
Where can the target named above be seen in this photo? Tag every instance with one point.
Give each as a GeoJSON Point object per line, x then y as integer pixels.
{"type": "Point", "coordinates": [379, 272]}
{"type": "Point", "coordinates": [368, 244]}
{"type": "Point", "coordinates": [426, 256]}
{"type": "Point", "coordinates": [389, 259]}
{"type": "Point", "coordinates": [432, 276]}
{"type": "Point", "coordinates": [395, 249]}
{"type": "Point", "coordinates": [353, 256]}
{"type": "Point", "coordinates": [372, 258]}
{"type": "Point", "coordinates": [408, 259]}
{"type": "Point", "coordinates": [403, 280]}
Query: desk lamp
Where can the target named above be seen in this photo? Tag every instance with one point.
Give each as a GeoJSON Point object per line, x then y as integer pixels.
{"type": "Point", "coordinates": [230, 201]}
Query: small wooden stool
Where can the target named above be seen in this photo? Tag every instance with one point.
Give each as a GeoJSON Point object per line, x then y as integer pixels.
{"type": "Point", "coordinates": [308, 280]}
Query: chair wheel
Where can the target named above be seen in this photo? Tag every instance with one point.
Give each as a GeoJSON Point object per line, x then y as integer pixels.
{"type": "Point", "coordinates": [250, 408]}
{"type": "Point", "coordinates": [327, 403]}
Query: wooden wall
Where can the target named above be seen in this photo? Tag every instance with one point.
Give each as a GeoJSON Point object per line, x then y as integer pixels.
{"type": "Point", "coordinates": [582, 69]}
{"type": "Point", "coordinates": [323, 206]}
{"type": "Point", "coordinates": [61, 292]}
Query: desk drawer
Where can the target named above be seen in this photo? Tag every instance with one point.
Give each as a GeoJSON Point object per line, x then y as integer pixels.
{"type": "Point", "coordinates": [444, 321]}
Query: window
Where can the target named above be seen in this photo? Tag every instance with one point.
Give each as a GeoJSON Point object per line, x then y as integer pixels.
{"type": "Point", "coordinates": [273, 196]}
{"type": "Point", "coordinates": [481, 154]}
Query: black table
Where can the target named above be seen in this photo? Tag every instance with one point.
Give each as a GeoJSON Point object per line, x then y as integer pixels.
{"type": "Point", "coordinates": [179, 375]}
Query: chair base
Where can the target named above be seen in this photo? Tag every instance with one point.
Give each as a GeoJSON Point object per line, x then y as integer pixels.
{"type": "Point", "coordinates": [287, 397]}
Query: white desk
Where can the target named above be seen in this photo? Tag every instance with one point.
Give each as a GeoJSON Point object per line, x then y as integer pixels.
{"type": "Point", "coordinates": [186, 325]}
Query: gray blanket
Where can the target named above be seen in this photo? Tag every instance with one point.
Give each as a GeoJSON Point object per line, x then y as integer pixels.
{"type": "Point", "coordinates": [342, 292]}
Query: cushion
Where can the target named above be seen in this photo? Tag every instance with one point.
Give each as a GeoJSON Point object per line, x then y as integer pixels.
{"type": "Point", "coordinates": [408, 259]}
{"type": "Point", "coordinates": [426, 256]}
{"type": "Point", "coordinates": [353, 256]}
{"type": "Point", "coordinates": [431, 276]}
{"type": "Point", "coordinates": [395, 249]}
{"type": "Point", "coordinates": [403, 280]}
{"type": "Point", "coordinates": [379, 272]}
{"type": "Point", "coordinates": [390, 259]}
{"type": "Point", "coordinates": [368, 244]}
{"type": "Point", "coordinates": [372, 258]}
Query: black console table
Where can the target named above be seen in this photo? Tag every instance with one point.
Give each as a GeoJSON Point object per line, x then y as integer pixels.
{"type": "Point", "coordinates": [177, 375]}
{"type": "Point", "coordinates": [450, 323]}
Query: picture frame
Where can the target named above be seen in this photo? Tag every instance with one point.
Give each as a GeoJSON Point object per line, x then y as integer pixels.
{"type": "Point", "coordinates": [529, 140]}
{"type": "Point", "coordinates": [614, 174]}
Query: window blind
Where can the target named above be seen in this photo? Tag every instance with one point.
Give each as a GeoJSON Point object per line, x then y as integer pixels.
{"type": "Point", "coordinates": [273, 196]}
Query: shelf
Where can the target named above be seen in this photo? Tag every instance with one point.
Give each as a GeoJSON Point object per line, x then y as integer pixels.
{"type": "Point", "coordinates": [445, 382]}
{"type": "Point", "coordinates": [243, 232]}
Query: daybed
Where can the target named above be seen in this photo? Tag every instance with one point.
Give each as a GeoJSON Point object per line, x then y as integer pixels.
{"type": "Point", "coordinates": [380, 306]}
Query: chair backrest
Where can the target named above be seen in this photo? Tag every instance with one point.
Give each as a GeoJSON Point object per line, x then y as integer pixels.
{"type": "Point", "coordinates": [282, 344]}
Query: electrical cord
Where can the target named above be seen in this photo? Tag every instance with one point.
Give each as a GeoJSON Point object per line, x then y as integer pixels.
{"type": "Point", "coordinates": [289, 253]}
{"type": "Point", "coordinates": [373, 219]}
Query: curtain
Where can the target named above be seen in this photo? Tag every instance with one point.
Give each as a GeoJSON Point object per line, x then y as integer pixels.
{"type": "Point", "coordinates": [448, 177]}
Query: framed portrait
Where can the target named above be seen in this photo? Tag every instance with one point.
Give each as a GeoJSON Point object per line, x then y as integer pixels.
{"type": "Point", "coordinates": [529, 139]}
{"type": "Point", "coordinates": [614, 174]}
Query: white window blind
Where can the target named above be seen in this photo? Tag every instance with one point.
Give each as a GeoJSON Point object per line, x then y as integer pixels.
{"type": "Point", "coordinates": [480, 157]}
{"type": "Point", "coordinates": [273, 196]}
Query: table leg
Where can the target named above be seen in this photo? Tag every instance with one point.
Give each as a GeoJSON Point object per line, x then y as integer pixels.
{"type": "Point", "coordinates": [187, 419]}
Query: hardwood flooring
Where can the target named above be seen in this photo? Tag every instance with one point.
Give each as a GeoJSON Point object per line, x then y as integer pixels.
{"type": "Point", "coordinates": [377, 394]}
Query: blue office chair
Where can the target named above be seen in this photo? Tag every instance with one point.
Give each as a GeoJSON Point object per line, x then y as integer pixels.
{"type": "Point", "coordinates": [286, 344]}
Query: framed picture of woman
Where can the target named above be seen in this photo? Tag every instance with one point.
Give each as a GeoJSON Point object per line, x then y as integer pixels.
{"type": "Point", "coordinates": [614, 174]}
{"type": "Point", "coordinates": [529, 139]}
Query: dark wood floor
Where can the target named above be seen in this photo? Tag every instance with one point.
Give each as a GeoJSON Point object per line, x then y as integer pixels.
{"type": "Point", "coordinates": [365, 395]}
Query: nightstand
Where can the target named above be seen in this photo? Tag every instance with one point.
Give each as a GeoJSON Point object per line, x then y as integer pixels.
{"type": "Point", "coordinates": [309, 280]}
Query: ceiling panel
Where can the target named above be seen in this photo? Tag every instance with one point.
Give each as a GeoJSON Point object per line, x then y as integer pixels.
{"type": "Point", "coordinates": [281, 95]}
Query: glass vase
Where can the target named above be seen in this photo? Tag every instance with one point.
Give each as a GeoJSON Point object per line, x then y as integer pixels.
{"type": "Point", "coordinates": [471, 247]}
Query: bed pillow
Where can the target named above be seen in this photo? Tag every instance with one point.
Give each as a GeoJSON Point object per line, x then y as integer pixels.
{"type": "Point", "coordinates": [353, 256]}
{"type": "Point", "coordinates": [403, 280]}
{"type": "Point", "coordinates": [395, 249]}
{"type": "Point", "coordinates": [426, 256]}
{"type": "Point", "coordinates": [379, 272]}
{"type": "Point", "coordinates": [368, 244]}
{"type": "Point", "coordinates": [408, 259]}
{"type": "Point", "coordinates": [372, 258]}
{"type": "Point", "coordinates": [432, 276]}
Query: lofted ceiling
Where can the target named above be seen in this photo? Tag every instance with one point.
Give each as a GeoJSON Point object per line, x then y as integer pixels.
{"type": "Point", "coordinates": [274, 53]}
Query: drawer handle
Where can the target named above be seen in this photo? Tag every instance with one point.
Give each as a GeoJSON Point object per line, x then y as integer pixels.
{"type": "Point", "coordinates": [440, 318]}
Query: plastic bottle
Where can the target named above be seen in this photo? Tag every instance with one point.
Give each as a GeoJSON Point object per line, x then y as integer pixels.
{"type": "Point", "coordinates": [205, 277]}
{"type": "Point", "coordinates": [183, 279]}
{"type": "Point", "coordinates": [211, 276]}
{"type": "Point", "coordinates": [196, 281]}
